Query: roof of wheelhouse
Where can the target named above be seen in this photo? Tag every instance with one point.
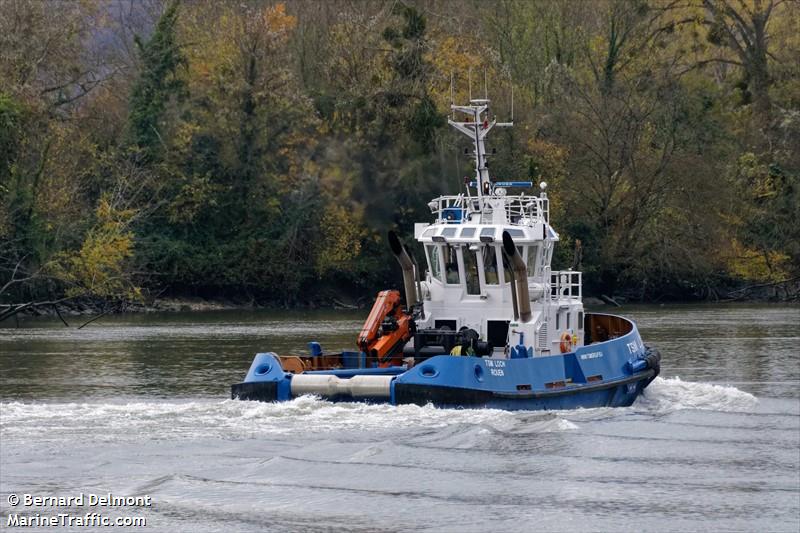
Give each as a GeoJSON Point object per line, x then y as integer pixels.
{"type": "Point", "coordinates": [485, 233]}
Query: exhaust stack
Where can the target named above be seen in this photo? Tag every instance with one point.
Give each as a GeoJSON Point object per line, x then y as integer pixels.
{"type": "Point", "coordinates": [407, 264]}
{"type": "Point", "coordinates": [520, 278]}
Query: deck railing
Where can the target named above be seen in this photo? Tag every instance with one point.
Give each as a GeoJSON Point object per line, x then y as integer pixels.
{"type": "Point", "coordinates": [566, 284]}
{"type": "Point", "coordinates": [521, 209]}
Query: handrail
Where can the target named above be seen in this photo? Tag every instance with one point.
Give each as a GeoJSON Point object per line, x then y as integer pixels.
{"type": "Point", "coordinates": [521, 209]}
{"type": "Point", "coordinates": [566, 284]}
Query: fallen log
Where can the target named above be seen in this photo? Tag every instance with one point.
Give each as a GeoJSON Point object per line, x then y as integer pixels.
{"type": "Point", "coordinates": [609, 300]}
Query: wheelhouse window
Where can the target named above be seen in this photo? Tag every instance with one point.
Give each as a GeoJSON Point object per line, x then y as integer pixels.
{"type": "Point", "coordinates": [450, 259]}
{"type": "Point", "coordinates": [533, 254]}
{"type": "Point", "coordinates": [471, 269]}
{"type": "Point", "coordinates": [433, 261]}
{"type": "Point", "coordinates": [489, 256]}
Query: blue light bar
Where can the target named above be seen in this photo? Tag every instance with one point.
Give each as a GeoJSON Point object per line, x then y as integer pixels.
{"type": "Point", "coordinates": [506, 184]}
{"type": "Point", "coordinates": [513, 184]}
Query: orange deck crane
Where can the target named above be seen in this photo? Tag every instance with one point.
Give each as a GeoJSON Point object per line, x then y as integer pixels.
{"type": "Point", "coordinates": [386, 331]}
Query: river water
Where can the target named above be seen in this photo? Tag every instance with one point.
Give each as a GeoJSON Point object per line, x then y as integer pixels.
{"type": "Point", "coordinates": [137, 405]}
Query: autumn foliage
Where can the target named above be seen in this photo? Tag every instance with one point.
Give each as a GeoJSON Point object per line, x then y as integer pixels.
{"type": "Point", "coordinates": [260, 150]}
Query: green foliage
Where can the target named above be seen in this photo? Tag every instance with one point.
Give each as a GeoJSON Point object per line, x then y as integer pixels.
{"type": "Point", "coordinates": [264, 149]}
{"type": "Point", "coordinates": [10, 126]}
{"type": "Point", "coordinates": [158, 83]}
{"type": "Point", "coordinates": [11, 116]}
{"type": "Point", "coordinates": [771, 235]}
{"type": "Point", "coordinates": [425, 121]}
{"type": "Point", "coordinates": [98, 267]}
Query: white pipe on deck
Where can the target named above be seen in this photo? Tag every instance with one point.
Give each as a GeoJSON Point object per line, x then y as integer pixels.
{"type": "Point", "coordinates": [328, 385]}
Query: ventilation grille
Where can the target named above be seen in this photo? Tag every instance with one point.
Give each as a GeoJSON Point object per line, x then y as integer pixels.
{"type": "Point", "coordinates": [543, 337]}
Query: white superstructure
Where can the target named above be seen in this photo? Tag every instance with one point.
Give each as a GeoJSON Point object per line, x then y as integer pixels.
{"type": "Point", "coordinates": [469, 277]}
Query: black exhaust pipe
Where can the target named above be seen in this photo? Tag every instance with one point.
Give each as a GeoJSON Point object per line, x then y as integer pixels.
{"type": "Point", "coordinates": [407, 264]}
{"type": "Point", "coordinates": [520, 278]}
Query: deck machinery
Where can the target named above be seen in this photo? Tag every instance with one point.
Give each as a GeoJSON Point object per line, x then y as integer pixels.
{"type": "Point", "coordinates": [488, 323]}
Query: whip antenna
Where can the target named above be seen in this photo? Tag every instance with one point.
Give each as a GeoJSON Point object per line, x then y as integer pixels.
{"type": "Point", "coordinates": [512, 101]}
{"type": "Point", "coordinates": [452, 101]}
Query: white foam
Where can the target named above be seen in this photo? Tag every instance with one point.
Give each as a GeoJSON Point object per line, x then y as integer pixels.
{"type": "Point", "coordinates": [238, 419]}
{"type": "Point", "coordinates": [113, 421]}
{"type": "Point", "coordinates": [668, 394]}
{"type": "Point", "coordinates": [563, 424]}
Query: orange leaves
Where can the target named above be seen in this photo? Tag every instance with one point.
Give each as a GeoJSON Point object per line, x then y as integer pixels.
{"type": "Point", "coordinates": [455, 54]}
{"type": "Point", "coordinates": [221, 33]}
{"type": "Point", "coordinates": [277, 22]}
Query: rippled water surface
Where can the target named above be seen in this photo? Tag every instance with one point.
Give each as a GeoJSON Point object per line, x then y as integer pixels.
{"type": "Point", "coordinates": [138, 405]}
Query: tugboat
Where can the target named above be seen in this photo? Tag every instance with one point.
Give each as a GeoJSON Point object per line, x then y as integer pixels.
{"type": "Point", "coordinates": [488, 324]}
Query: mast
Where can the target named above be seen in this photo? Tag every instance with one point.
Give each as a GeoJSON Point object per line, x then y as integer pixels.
{"type": "Point", "coordinates": [477, 127]}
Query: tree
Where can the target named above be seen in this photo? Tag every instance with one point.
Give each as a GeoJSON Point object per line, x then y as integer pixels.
{"type": "Point", "coordinates": [758, 39]}
{"type": "Point", "coordinates": [254, 150]}
{"type": "Point", "coordinates": [159, 82]}
{"type": "Point", "coordinates": [743, 30]}
{"type": "Point", "coordinates": [633, 136]}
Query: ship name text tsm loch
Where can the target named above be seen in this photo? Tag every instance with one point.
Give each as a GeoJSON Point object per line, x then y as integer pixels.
{"type": "Point", "coordinates": [489, 324]}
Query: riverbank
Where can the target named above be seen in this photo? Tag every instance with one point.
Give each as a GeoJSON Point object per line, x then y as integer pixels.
{"type": "Point", "coordinates": [92, 309]}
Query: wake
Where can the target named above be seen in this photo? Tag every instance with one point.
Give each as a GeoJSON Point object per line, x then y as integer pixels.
{"type": "Point", "coordinates": [673, 394]}
{"type": "Point", "coordinates": [233, 419]}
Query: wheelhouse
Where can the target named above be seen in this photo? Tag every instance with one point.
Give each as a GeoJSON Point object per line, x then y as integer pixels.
{"type": "Point", "coordinates": [471, 257]}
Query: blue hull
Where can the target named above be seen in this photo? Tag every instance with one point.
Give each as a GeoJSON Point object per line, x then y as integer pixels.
{"type": "Point", "coordinates": [620, 394]}
{"type": "Point", "coordinates": [604, 374]}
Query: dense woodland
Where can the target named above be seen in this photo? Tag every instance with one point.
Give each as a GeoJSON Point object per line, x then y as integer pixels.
{"type": "Point", "coordinates": [259, 151]}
